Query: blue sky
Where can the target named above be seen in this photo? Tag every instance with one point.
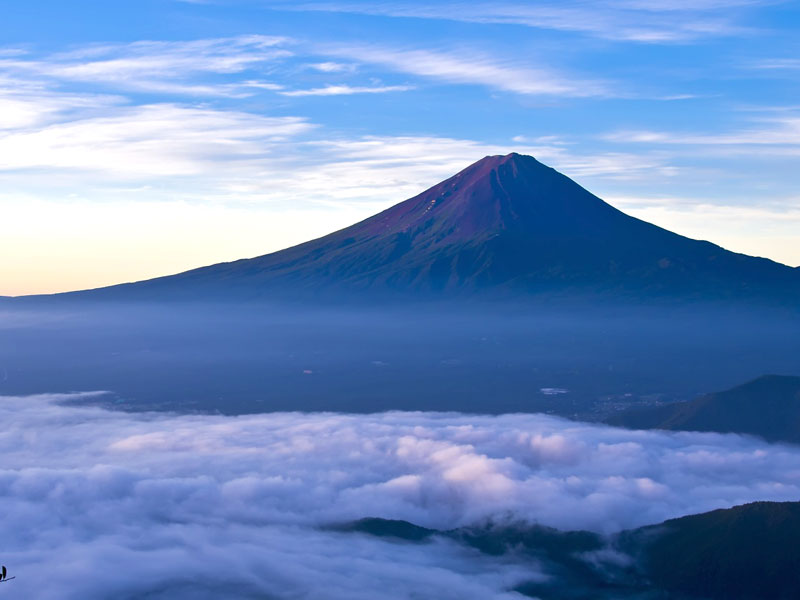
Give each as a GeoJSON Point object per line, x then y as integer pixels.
{"type": "Point", "coordinates": [143, 138]}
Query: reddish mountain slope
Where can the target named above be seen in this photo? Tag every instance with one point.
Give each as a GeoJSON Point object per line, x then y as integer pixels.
{"type": "Point", "coordinates": [507, 224]}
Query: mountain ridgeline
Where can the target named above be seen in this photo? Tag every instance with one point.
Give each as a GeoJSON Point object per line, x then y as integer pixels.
{"type": "Point", "coordinates": [504, 226]}
{"type": "Point", "coordinates": [768, 407]}
{"type": "Point", "coordinates": [747, 552]}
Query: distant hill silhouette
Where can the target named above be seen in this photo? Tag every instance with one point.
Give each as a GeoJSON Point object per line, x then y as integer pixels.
{"type": "Point", "coordinates": [747, 552]}
{"type": "Point", "coordinates": [768, 407]}
{"type": "Point", "coordinates": [561, 551]}
{"type": "Point", "coordinates": [505, 225]}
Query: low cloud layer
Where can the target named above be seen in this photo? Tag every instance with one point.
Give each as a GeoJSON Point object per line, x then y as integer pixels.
{"type": "Point", "coordinates": [100, 504]}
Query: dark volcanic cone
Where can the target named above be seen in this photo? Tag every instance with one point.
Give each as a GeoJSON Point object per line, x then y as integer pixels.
{"type": "Point", "coordinates": [505, 225]}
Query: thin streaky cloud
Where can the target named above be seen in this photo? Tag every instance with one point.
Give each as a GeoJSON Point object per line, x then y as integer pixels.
{"type": "Point", "coordinates": [21, 109]}
{"type": "Point", "coordinates": [150, 140]}
{"type": "Point", "coordinates": [777, 64]}
{"type": "Point", "coordinates": [262, 85]}
{"type": "Point", "coordinates": [472, 67]}
{"type": "Point", "coordinates": [685, 5]}
{"type": "Point", "coordinates": [28, 102]}
{"type": "Point", "coordinates": [227, 49]}
{"type": "Point", "coordinates": [6, 52]}
{"type": "Point", "coordinates": [787, 108]}
{"type": "Point", "coordinates": [168, 67]}
{"type": "Point", "coordinates": [649, 22]}
{"type": "Point", "coordinates": [332, 67]}
{"type": "Point", "coordinates": [777, 131]}
{"type": "Point", "coordinates": [238, 157]}
{"type": "Point", "coordinates": [345, 90]}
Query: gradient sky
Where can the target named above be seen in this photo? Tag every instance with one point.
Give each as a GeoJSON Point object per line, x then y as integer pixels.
{"type": "Point", "coordinates": [141, 138]}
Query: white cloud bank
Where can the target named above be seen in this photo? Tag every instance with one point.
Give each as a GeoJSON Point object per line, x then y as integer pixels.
{"type": "Point", "coordinates": [98, 504]}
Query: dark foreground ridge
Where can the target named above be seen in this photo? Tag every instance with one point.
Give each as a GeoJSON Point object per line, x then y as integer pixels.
{"type": "Point", "coordinates": [742, 553]}
{"type": "Point", "coordinates": [768, 407]}
{"type": "Point", "coordinates": [505, 226]}
{"type": "Point", "coordinates": [746, 552]}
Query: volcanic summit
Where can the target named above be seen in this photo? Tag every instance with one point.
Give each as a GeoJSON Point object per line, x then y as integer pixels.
{"type": "Point", "coordinates": [506, 224]}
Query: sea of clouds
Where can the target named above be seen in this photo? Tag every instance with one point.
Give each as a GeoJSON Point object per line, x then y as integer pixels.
{"type": "Point", "coordinates": [103, 504]}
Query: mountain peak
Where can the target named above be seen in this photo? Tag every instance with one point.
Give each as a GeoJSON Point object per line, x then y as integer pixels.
{"type": "Point", "coordinates": [509, 164]}
{"type": "Point", "coordinates": [501, 167]}
{"type": "Point", "coordinates": [505, 222]}
{"type": "Point", "coordinates": [503, 194]}
{"type": "Point", "coordinates": [496, 160]}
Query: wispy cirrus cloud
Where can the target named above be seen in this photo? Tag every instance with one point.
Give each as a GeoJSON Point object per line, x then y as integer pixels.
{"type": "Point", "coordinates": [333, 67]}
{"type": "Point", "coordinates": [27, 102]}
{"type": "Point", "coordinates": [777, 64]}
{"type": "Point", "coordinates": [22, 108]}
{"type": "Point", "coordinates": [647, 21]}
{"type": "Point", "coordinates": [234, 68]}
{"type": "Point", "coordinates": [170, 67]}
{"type": "Point", "coordinates": [150, 140]}
{"type": "Point", "coordinates": [472, 67]}
{"type": "Point", "coordinates": [346, 90]}
{"type": "Point", "coordinates": [781, 131]}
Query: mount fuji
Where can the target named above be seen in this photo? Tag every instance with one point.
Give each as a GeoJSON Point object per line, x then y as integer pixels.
{"type": "Point", "coordinates": [504, 226]}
